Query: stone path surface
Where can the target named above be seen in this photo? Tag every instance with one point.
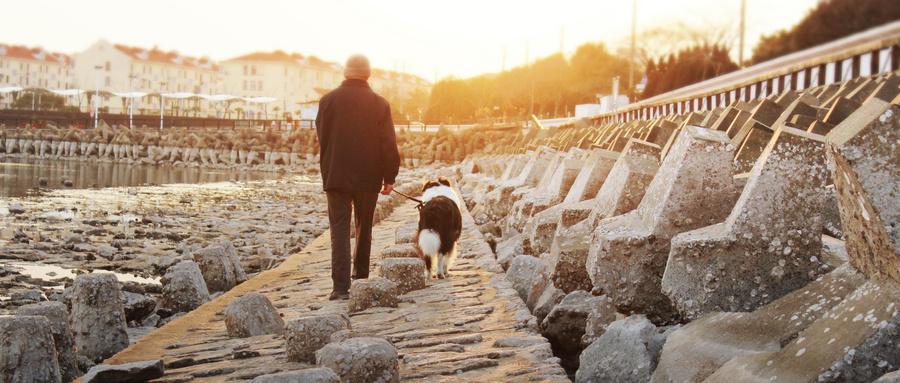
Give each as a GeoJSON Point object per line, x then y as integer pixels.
{"type": "Point", "coordinates": [469, 327]}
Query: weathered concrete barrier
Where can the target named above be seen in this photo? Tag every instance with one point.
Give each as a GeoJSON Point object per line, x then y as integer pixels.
{"type": "Point", "coordinates": [692, 189]}
{"type": "Point", "coordinates": [27, 352]}
{"type": "Point", "coordinates": [622, 192]}
{"type": "Point", "coordinates": [772, 238]}
{"type": "Point", "coordinates": [56, 313]}
{"type": "Point", "coordinates": [98, 317]}
{"type": "Point", "coordinates": [252, 315]}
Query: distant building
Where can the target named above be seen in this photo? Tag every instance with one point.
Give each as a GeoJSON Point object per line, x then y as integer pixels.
{"type": "Point", "coordinates": [32, 68]}
{"type": "Point", "coordinates": [298, 82]}
{"type": "Point", "coordinates": [107, 67]}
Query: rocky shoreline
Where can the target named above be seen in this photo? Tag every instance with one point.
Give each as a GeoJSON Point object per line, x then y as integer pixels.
{"type": "Point", "coordinates": [142, 231]}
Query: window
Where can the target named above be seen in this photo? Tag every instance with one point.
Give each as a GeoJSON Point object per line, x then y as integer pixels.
{"type": "Point", "coordinates": [245, 73]}
{"type": "Point", "coordinates": [253, 70]}
{"type": "Point", "coordinates": [245, 84]}
{"type": "Point", "coordinates": [260, 84]}
{"type": "Point", "coordinates": [108, 66]}
{"type": "Point", "coordinates": [106, 81]}
{"type": "Point", "coordinates": [253, 85]}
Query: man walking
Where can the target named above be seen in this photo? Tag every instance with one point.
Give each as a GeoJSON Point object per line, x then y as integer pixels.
{"type": "Point", "coordinates": [359, 156]}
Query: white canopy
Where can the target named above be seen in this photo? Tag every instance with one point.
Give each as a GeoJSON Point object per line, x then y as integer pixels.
{"type": "Point", "coordinates": [178, 95]}
{"type": "Point", "coordinates": [67, 92]}
{"type": "Point", "coordinates": [130, 94]}
{"type": "Point", "coordinates": [10, 89]}
{"type": "Point", "coordinates": [258, 100]}
{"type": "Point", "coordinates": [217, 97]}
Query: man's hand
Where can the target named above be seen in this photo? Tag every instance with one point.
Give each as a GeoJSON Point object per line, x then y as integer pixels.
{"type": "Point", "coordinates": [386, 189]}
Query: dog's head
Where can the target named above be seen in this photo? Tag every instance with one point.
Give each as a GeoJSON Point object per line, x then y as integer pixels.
{"type": "Point", "coordinates": [432, 183]}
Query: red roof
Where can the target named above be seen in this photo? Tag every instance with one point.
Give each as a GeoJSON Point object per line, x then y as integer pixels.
{"type": "Point", "coordinates": [171, 58]}
{"type": "Point", "coordinates": [33, 54]}
{"type": "Point", "coordinates": [292, 58]}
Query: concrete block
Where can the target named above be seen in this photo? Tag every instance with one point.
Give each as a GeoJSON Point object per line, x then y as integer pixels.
{"type": "Point", "coordinates": [699, 348]}
{"type": "Point", "coordinates": [304, 336]}
{"type": "Point", "coordinates": [592, 175]}
{"type": "Point", "coordinates": [628, 253]}
{"type": "Point", "coordinates": [27, 350]}
{"type": "Point", "coordinates": [622, 192]}
{"type": "Point", "coordinates": [183, 288]}
{"type": "Point", "coordinates": [97, 317]}
{"type": "Point", "coordinates": [56, 313]}
{"type": "Point", "coordinates": [856, 341]}
{"type": "Point", "coordinates": [251, 315]}
{"type": "Point", "coordinates": [771, 242]}
{"type": "Point", "coordinates": [373, 292]}
{"type": "Point", "coordinates": [843, 108]}
{"type": "Point", "coordinates": [520, 272]}
{"type": "Point", "coordinates": [864, 159]}
{"type": "Point", "coordinates": [565, 325]}
{"type": "Point", "coordinates": [220, 266]}
{"type": "Point", "coordinates": [312, 375]}
{"type": "Point", "coordinates": [408, 273]}
{"type": "Point", "coordinates": [361, 360]}
{"type": "Point", "coordinates": [128, 372]}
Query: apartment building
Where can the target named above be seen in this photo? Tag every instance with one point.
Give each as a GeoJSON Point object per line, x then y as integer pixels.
{"type": "Point", "coordinates": [26, 67]}
{"type": "Point", "coordinates": [119, 68]}
{"type": "Point", "coordinates": [298, 81]}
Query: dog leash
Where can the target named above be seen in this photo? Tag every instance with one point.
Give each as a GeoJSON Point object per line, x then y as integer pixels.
{"type": "Point", "coordinates": [420, 203]}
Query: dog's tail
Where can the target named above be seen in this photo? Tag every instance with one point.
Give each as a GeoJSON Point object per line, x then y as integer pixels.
{"type": "Point", "coordinates": [430, 244]}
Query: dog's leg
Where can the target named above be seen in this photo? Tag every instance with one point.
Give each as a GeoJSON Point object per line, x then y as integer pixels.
{"type": "Point", "coordinates": [440, 266]}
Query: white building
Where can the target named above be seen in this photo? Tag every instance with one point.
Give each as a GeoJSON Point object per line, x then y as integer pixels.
{"type": "Point", "coordinates": [119, 68]}
{"type": "Point", "coordinates": [26, 67]}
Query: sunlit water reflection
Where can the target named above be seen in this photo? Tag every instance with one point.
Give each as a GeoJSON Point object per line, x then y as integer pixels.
{"type": "Point", "coordinates": [18, 175]}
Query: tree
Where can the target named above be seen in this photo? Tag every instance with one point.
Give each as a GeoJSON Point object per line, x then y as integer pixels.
{"type": "Point", "coordinates": [828, 21]}
{"type": "Point", "coordinates": [691, 65]}
{"type": "Point", "coordinates": [44, 102]}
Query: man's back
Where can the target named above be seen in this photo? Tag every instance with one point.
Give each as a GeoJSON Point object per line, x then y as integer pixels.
{"type": "Point", "coordinates": [356, 135]}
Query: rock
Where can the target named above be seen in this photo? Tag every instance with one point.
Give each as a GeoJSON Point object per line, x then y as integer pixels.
{"type": "Point", "coordinates": [373, 292]}
{"type": "Point", "coordinates": [891, 377]}
{"type": "Point", "coordinates": [509, 248]}
{"type": "Point", "coordinates": [565, 325]}
{"type": "Point", "coordinates": [540, 279]}
{"type": "Point", "coordinates": [98, 316]}
{"type": "Point", "coordinates": [137, 306]}
{"type": "Point", "coordinates": [56, 313]}
{"type": "Point", "coordinates": [312, 375]}
{"type": "Point", "coordinates": [406, 250]}
{"type": "Point", "coordinates": [125, 373]}
{"type": "Point", "coordinates": [520, 272]}
{"type": "Point", "coordinates": [220, 266]}
{"type": "Point", "coordinates": [548, 300]}
{"type": "Point", "coordinates": [361, 360]}
{"type": "Point", "coordinates": [252, 315]}
{"type": "Point", "coordinates": [27, 350]}
{"type": "Point", "coordinates": [74, 238]}
{"type": "Point", "coordinates": [16, 209]}
{"type": "Point", "coordinates": [304, 336]}
{"type": "Point", "coordinates": [407, 273]}
{"type": "Point", "coordinates": [627, 352]}
{"type": "Point", "coordinates": [183, 288]}
{"type": "Point", "coordinates": [598, 321]}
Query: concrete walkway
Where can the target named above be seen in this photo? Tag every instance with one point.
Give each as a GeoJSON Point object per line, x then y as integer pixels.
{"type": "Point", "coordinates": [470, 327]}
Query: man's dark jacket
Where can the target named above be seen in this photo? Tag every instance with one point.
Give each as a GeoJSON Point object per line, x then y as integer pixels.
{"type": "Point", "coordinates": [356, 134]}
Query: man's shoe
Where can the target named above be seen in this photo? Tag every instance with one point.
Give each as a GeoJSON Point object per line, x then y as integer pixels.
{"type": "Point", "coordinates": [338, 296]}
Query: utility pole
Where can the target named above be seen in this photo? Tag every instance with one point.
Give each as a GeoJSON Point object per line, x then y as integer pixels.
{"type": "Point", "coordinates": [741, 48]}
{"type": "Point", "coordinates": [633, 32]}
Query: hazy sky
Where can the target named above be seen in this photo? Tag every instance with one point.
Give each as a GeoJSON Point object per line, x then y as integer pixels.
{"type": "Point", "coordinates": [427, 38]}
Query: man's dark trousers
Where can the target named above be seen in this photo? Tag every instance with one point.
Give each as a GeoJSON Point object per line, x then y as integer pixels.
{"type": "Point", "coordinates": [340, 205]}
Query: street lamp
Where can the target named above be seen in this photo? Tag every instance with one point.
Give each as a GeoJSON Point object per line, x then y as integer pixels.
{"type": "Point", "coordinates": [162, 88]}
{"type": "Point", "coordinates": [97, 96]}
{"type": "Point", "coordinates": [131, 77]}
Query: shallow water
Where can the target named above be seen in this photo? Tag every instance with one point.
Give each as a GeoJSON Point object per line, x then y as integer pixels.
{"type": "Point", "coordinates": [47, 272]}
{"type": "Point", "coordinates": [19, 175]}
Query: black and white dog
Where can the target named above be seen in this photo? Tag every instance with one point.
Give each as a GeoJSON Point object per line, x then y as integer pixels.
{"type": "Point", "coordinates": [440, 224]}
